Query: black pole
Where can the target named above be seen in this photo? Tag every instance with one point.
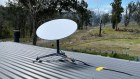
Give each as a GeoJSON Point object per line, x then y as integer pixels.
{"type": "Point", "coordinates": [57, 43]}
{"type": "Point", "coordinates": [100, 29]}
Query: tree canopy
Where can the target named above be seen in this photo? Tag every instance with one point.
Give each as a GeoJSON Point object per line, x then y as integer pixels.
{"type": "Point", "coordinates": [117, 9]}
{"type": "Point", "coordinates": [27, 15]}
{"type": "Point", "coordinates": [132, 13]}
{"type": "Point", "coordinates": [136, 13]}
{"type": "Point", "coordinates": [105, 18]}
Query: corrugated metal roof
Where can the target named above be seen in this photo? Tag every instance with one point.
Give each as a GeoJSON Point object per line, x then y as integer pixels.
{"type": "Point", "coordinates": [16, 63]}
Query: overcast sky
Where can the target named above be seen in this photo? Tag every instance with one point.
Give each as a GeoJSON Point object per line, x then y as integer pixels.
{"type": "Point", "coordinates": [96, 5]}
{"type": "Point", "coordinates": [2, 2]}
{"type": "Point", "coordinates": [104, 5]}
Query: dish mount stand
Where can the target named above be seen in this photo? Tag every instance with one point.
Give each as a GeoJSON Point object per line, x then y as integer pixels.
{"type": "Point", "coordinates": [64, 58]}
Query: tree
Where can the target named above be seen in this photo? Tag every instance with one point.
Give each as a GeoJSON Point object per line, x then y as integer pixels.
{"type": "Point", "coordinates": [17, 16]}
{"type": "Point", "coordinates": [37, 10]}
{"type": "Point", "coordinates": [126, 18]}
{"type": "Point", "coordinates": [1, 19]}
{"type": "Point", "coordinates": [136, 13]}
{"type": "Point", "coordinates": [130, 9]}
{"type": "Point", "coordinates": [83, 13]}
{"type": "Point", "coordinates": [5, 28]}
{"type": "Point", "coordinates": [33, 7]}
{"type": "Point", "coordinates": [105, 18]}
{"type": "Point", "coordinates": [95, 18]}
{"type": "Point", "coordinates": [42, 10]}
{"type": "Point", "coordinates": [117, 9]}
{"type": "Point", "coordinates": [88, 17]}
{"type": "Point", "coordinates": [29, 14]}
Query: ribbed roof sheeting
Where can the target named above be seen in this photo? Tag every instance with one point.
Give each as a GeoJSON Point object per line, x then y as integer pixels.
{"type": "Point", "coordinates": [16, 63]}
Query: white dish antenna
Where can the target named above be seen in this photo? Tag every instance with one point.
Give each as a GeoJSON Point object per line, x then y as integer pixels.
{"type": "Point", "coordinates": [56, 29]}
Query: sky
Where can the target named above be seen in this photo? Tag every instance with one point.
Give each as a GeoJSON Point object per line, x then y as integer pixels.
{"type": "Point", "coordinates": [96, 5]}
{"type": "Point", "coordinates": [104, 5]}
{"type": "Point", "coordinates": [2, 2]}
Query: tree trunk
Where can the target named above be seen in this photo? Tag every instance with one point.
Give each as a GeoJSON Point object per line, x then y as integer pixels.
{"type": "Point", "coordinates": [34, 37]}
{"type": "Point", "coordinates": [100, 30]}
{"type": "Point", "coordinates": [0, 31]}
{"type": "Point", "coordinates": [86, 27]}
{"type": "Point", "coordinates": [116, 27]}
{"type": "Point", "coordinates": [1, 23]}
{"type": "Point", "coordinates": [23, 32]}
{"type": "Point", "coordinates": [34, 29]}
{"type": "Point", "coordinates": [31, 31]}
{"type": "Point", "coordinates": [34, 34]}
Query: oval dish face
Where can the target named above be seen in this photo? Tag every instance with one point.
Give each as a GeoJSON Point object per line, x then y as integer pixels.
{"type": "Point", "coordinates": [56, 29]}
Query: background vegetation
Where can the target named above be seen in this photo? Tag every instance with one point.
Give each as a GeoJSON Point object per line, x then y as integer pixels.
{"type": "Point", "coordinates": [123, 44]}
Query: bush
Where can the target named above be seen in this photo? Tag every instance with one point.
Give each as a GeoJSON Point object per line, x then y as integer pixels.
{"type": "Point", "coordinates": [6, 32]}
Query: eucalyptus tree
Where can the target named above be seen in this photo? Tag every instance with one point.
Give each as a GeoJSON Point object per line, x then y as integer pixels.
{"type": "Point", "coordinates": [76, 8]}
{"type": "Point", "coordinates": [2, 10]}
{"type": "Point", "coordinates": [82, 12]}
{"type": "Point", "coordinates": [130, 9]}
{"type": "Point", "coordinates": [132, 12]}
{"type": "Point", "coordinates": [136, 13]}
{"type": "Point", "coordinates": [96, 19]}
{"type": "Point", "coordinates": [37, 10]}
{"type": "Point", "coordinates": [117, 9]}
{"type": "Point", "coordinates": [5, 26]}
{"type": "Point", "coordinates": [44, 10]}
{"type": "Point", "coordinates": [88, 16]}
{"type": "Point", "coordinates": [17, 15]}
{"type": "Point", "coordinates": [126, 17]}
{"type": "Point", "coordinates": [105, 18]}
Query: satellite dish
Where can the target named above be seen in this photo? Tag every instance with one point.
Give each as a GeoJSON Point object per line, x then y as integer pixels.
{"type": "Point", "coordinates": [56, 29]}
